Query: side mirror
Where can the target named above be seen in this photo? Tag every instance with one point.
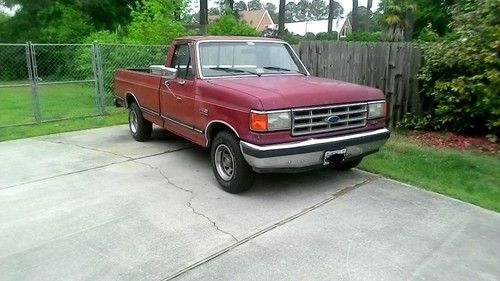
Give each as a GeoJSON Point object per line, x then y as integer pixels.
{"type": "Point", "coordinates": [166, 72]}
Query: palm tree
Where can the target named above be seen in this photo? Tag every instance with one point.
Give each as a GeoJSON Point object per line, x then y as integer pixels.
{"type": "Point", "coordinates": [399, 17]}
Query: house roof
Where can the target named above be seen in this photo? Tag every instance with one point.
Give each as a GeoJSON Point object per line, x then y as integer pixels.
{"type": "Point", "coordinates": [254, 18]}
{"type": "Point", "coordinates": [317, 26]}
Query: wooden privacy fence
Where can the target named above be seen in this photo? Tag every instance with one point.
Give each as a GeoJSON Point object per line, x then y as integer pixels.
{"type": "Point", "coordinates": [391, 67]}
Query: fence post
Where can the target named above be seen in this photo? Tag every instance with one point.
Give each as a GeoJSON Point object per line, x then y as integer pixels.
{"type": "Point", "coordinates": [33, 77]}
{"type": "Point", "coordinates": [100, 95]}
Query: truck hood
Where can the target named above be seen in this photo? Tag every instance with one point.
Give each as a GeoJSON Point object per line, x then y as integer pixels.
{"type": "Point", "coordinates": [291, 91]}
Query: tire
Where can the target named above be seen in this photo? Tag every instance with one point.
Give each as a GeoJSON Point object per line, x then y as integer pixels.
{"type": "Point", "coordinates": [228, 164]}
{"type": "Point", "coordinates": [140, 128]}
{"type": "Point", "coordinates": [347, 165]}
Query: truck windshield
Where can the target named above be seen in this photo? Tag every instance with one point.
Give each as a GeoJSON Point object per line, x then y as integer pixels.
{"type": "Point", "coordinates": [247, 58]}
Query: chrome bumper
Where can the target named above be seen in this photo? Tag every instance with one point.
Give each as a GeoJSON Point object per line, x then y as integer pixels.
{"type": "Point", "coordinates": [311, 152]}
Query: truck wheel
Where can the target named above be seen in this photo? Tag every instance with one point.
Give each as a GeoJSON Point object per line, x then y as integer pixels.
{"type": "Point", "coordinates": [347, 165]}
{"type": "Point", "coordinates": [230, 168]}
{"type": "Point", "coordinates": [140, 128]}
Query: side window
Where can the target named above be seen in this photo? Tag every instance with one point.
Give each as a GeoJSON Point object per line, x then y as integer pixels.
{"type": "Point", "coordinates": [182, 61]}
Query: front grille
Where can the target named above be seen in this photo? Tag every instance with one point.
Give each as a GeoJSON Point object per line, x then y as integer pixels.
{"type": "Point", "coordinates": [313, 120]}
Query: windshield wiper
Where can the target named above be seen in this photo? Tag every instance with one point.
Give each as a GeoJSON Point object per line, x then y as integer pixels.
{"type": "Point", "coordinates": [229, 69]}
{"type": "Point", "coordinates": [277, 68]}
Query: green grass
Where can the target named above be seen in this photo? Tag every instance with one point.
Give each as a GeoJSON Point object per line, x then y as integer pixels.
{"type": "Point", "coordinates": [59, 101]}
{"type": "Point", "coordinates": [68, 125]}
{"type": "Point", "coordinates": [75, 103]}
{"type": "Point", "coordinates": [466, 175]}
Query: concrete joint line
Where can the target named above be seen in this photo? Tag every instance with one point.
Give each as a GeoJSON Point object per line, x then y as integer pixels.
{"type": "Point", "coordinates": [339, 193]}
{"type": "Point", "coordinates": [88, 148]}
{"type": "Point", "coordinates": [190, 201]}
{"type": "Point", "coordinates": [128, 159]}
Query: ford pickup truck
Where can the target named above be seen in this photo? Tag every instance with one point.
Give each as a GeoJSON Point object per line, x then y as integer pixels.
{"type": "Point", "coordinates": [253, 103]}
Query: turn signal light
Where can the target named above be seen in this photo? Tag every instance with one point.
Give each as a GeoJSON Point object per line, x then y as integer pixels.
{"type": "Point", "coordinates": [258, 122]}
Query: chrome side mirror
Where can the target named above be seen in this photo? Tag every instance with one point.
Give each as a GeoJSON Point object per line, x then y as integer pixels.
{"type": "Point", "coordinates": [168, 73]}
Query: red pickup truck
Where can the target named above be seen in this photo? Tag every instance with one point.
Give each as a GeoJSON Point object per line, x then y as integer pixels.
{"type": "Point", "coordinates": [255, 105]}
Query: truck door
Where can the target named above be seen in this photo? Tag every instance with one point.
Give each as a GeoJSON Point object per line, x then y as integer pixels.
{"type": "Point", "coordinates": [177, 96]}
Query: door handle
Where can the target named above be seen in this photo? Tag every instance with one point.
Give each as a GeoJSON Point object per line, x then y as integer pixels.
{"type": "Point", "coordinates": [181, 82]}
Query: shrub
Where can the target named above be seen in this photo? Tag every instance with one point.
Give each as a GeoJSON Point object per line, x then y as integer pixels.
{"type": "Point", "coordinates": [461, 77]}
{"type": "Point", "coordinates": [228, 24]}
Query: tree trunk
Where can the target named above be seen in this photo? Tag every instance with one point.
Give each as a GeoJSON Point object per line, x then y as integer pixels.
{"type": "Point", "coordinates": [231, 4]}
{"type": "Point", "coordinates": [281, 19]}
{"type": "Point", "coordinates": [369, 5]}
{"type": "Point", "coordinates": [354, 16]}
{"type": "Point", "coordinates": [203, 16]}
{"type": "Point", "coordinates": [330, 15]}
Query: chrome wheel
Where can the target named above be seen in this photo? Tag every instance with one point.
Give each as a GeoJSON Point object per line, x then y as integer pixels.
{"type": "Point", "coordinates": [224, 162]}
{"type": "Point", "coordinates": [132, 119]}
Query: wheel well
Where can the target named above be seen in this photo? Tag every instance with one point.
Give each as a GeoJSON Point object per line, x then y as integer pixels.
{"type": "Point", "coordinates": [215, 128]}
{"type": "Point", "coordinates": [130, 99]}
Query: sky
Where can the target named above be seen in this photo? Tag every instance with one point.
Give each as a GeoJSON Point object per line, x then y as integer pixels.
{"type": "Point", "coordinates": [347, 4]}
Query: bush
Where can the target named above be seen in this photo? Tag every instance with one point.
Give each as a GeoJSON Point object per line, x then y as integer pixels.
{"type": "Point", "coordinates": [228, 24]}
{"type": "Point", "coordinates": [461, 78]}
{"type": "Point", "coordinates": [329, 36]}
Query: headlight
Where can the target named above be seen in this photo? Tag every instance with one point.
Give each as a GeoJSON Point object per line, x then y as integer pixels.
{"type": "Point", "coordinates": [270, 121]}
{"type": "Point", "coordinates": [376, 109]}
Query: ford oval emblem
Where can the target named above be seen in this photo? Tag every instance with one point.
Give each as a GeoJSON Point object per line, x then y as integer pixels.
{"type": "Point", "coordinates": [332, 119]}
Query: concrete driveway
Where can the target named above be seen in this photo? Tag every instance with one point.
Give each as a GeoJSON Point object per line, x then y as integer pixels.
{"type": "Point", "coordinates": [96, 205]}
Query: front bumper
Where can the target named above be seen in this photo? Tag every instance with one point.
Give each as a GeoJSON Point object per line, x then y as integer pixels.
{"type": "Point", "coordinates": [311, 152]}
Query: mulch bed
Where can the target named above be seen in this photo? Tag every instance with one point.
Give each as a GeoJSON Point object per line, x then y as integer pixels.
{"type": "Point", "coordinates": [456, 141]}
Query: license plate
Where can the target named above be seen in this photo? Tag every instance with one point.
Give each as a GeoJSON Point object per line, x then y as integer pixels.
{"type": "Point", "coordinates": [335, 155]}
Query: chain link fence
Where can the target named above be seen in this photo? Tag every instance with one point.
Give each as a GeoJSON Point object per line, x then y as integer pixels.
{"type": "Point", "coordinates": [46, 82]}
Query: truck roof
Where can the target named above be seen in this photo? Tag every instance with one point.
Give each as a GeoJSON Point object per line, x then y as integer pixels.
{"type": "Point", "coordinates": [226, 38]}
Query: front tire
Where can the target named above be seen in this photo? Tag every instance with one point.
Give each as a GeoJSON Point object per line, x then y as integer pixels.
{"type": "Point", "coordinates": [140, 128]}
{"type": "Point", "coordinates": [228, 164]}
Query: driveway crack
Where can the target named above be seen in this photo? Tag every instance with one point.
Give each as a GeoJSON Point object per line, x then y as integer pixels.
{"type": "Point", "coordinates": [190, 201]}
{"type": "Point", "coordinates": [341, 192]}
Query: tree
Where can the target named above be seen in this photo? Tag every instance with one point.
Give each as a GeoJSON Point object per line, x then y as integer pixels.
{"type": "Point", "coordinates": [254, 5]}
{"type": "Point", "coordinates": [240, 6]}
{"type": "Point", "coordinates": [214, 11]}
{"type": "Point", "coordinates": [318, 10]}
{"type": "Point", "coordinates": [302, 11]}
{"type": "Point", "coordinates": [399, 19]}
{"type": "Point", "coordinates": [228, 24]}
{"type": "Point", "coordinates": [290, 9]}
{"type": "Point", "coordinates": [281, 19]}
{"type": "Point", "coordinates": [153, 22]}
{"type": "Point", "coordinates": [354, 16]}
{"type": "Point", "coordinates": [271, 8]}
{"type": "Point", "coordinates": [34, 16]}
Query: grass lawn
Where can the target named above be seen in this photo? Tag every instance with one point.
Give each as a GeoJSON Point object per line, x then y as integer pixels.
{"type": "Point", "coordinates": [57, 101]}
{"type": "Point", "coordinates": [74, 102]}
{"type": "Point", "coordinates": [466, 175]}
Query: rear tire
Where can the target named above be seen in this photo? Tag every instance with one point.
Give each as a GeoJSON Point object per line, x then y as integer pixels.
{"type": "Point", "coordinates": [228, 164]}
{"type": "Point", "coordinates": [140, 128]}
{"type": "Point", "coordinates": [347, 165]}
